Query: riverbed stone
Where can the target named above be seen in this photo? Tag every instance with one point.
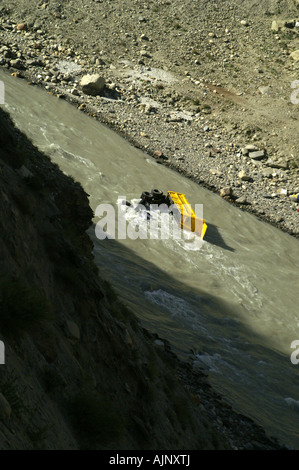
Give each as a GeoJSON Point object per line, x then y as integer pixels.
{"type": "Point", "coordinates": [16, 63]}
{"type": "Point", "coordinates": [257, 155]}
{"type": "Point", "coordinates": [242, 200]}
{"type": "Point", "coordinates": [244, 176]}
{"type": "Point", "coordinates": [22, 27]}
{"type": "Point", "coordinates": [175, 137]}
{"type": "Point", "coordinates": [227, 191]}
{"type": "Point", "coordinates": [72, 330]}
{"type": "Point", "coordinates": [249, 148]}
{"type": "Point", "coordinates": [282, 191]}
{"type": "Point", "coordinates": [92, 84]}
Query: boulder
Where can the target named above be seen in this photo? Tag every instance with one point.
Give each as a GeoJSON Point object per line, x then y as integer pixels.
{"type": "Point", "coordinates": [242, 201]}
{"type": "Point", "coordinates": [5, 409]}
{"type": "Point", "coordinates": [249, 148]}
{"type": "Point", "coordinates": [92, 84]}
{"type": "Point", "coordinates": [16, 64]}
{"type": "Point", "coordinates": [71, 329]}
{"type": "Point", "coordinates": [227, 191]}
{"type": "Point", "coordinates": [21, 27]}
{"type": "Point", "coordinates": [278, 25]}
{"type": "Point", "coordinates": [216, 172]}
{"type": "Point", "coordinates": [279, 163]}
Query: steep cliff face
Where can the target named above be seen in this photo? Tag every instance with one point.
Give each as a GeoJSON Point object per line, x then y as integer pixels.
{"type": "Point", "coordinates": [80, 372]}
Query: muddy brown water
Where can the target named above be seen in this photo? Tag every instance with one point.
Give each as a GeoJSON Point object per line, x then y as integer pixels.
{"type": "Point", "coordinates": [233, 299]}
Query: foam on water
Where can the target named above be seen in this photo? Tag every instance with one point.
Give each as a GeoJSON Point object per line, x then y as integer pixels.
{"type": "Point", "coordinates": [178, 308]}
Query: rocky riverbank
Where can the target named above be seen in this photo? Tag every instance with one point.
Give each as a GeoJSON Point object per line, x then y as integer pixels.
{"type": "Point", "coordinates": [206, 91]}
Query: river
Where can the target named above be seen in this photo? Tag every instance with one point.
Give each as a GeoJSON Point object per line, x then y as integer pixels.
{"type": "Point", "coordinates": [233, 299]}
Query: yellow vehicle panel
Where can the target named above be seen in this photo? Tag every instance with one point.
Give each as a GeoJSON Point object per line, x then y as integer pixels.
{"type": "Point", "coordinates": [187, 218]}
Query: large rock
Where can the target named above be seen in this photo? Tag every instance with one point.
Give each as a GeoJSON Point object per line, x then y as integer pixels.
{"type": "Point", "coordinates": [21, 27]}
{"type": "Point", "coordinates": [295, 55]}
{"type": "Point", "coordinates": [278, 163]}
{"type": "Point", "coordinates": [17, 64]}
{"type": "Point", "coordinates": [278, 25]}
{"type": "Point", "coordinates": [249, 148]}
{"type": "Point", "coordinates": [92, 84]}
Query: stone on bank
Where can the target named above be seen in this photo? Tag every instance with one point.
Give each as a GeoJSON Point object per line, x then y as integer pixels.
{"type": "Point", "coordinates": [92, 84]}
